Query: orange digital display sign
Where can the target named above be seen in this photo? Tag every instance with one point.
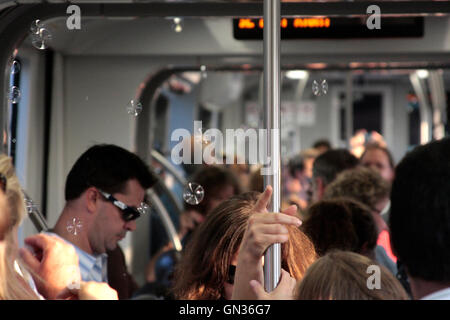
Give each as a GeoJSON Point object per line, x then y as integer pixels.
{"type": "Point", "coordinates": [285, 23]}
{"type": "Point", "coordinates": [331, 28]}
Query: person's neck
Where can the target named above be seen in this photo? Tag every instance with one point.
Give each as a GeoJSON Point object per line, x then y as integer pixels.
{"type": "Point", "coordinates": [421, 288]}
{"type": "Point", "coordinates": [81, 238]}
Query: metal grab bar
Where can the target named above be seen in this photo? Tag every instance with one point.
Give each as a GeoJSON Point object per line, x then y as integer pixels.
{"type": "Point", "coordinates": [272, 257]}
{"type": "Point", "coordinates": [164, 215]}
{"type": "Point", "coordinates": [35, 215]}
{"type": "Point", "coordinates": [168, 166]}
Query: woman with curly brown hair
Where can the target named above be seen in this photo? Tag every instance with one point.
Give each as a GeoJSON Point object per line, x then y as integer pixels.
{"type": "Point", "coordinates": [208, 265]}
{"type": "Point", "coordinates": [341, 223]}
{"type": "Point", "coordinates": [368, 187]}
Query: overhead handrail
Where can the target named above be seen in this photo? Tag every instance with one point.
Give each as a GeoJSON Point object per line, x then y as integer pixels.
{"type": "Point", "coordinates": [165, 217]}
{"type": "Point", "coordinates": [426, 119]}
{"type": "Point", "coordinates": [35, 215]}
{"type": "Point", "coordinates": [168, 166]}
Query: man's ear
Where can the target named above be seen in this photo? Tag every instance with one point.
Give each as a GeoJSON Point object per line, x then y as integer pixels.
{"type": "Point", "coordinates": [92, 197]}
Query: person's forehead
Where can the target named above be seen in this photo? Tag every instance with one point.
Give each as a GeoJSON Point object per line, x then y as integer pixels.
{"type": "Point", "coordinates": [133, 191]}
{"type": "Point", "coordinates": [375, 155]}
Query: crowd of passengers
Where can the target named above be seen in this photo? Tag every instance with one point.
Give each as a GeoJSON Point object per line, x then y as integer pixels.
{"type": "Point", "coordinates": [353, 226]}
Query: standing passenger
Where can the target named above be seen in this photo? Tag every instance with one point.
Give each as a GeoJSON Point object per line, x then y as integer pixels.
{"type": "Point", "coordinates": [420, 219]}
{"type": "Point", "coordinates": [22, 275]}
{"type": "Point", "coordinates": [380, 159]}
{"type": "Point", "coordinates": [322, 145]}
{"type": "Point", "coordinates": [105, 192]}
{"type": "Point", "coordinates": [343, 275]}
{"type": "Point", "coordinates": [327, 166]}
{"type": "Point", "coordinates": [207, 270]}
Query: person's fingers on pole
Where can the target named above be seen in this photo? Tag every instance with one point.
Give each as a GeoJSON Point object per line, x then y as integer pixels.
{"type": "Point", "coordinates": [272, 229]}
{"type": "Point", "coordinates": [258, 290]}
{"type": "Point", "coordinates": [270, 239]}
{"type": "Point", "coordinates": [259, 244]}
{"type": "Point", "coordinates": [285, 288]}
{"type": "Point", "coordinates": [287, 279]}
{"type": "Point", "coordinates": [275, 218]}
{"type": "Point", "coordinates": [263, 200]}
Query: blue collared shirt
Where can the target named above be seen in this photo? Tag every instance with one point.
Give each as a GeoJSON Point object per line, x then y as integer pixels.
{"type": "Point", "coordinates": [92, 268]}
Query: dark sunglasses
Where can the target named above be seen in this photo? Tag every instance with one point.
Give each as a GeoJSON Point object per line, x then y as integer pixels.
{"type": "Point", "coordinates": [3, 182]}
{"type": "Point", "coordinates": [129, 213]}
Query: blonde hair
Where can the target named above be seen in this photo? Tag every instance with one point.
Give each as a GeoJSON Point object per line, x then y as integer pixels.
{"type": "Point", "coordinates": [12, 205]}
{"type": "Point", "coordinates": [342, 275]}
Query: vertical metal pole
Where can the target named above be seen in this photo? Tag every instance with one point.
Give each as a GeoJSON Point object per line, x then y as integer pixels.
{"type": "Point", "coordinates": [438, 103]}
{"type": "Point", "coordinates": [272, 258]}
{"type": "Point", "coordinates": [5, 116]}
{"type": "Point", "coordinates": [349, 107]}
{"type": "Point", "coordinates": [426, 118]}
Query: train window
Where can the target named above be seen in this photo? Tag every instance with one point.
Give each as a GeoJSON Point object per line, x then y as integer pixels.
{"type": "Point", "coordinates": [367, 109]}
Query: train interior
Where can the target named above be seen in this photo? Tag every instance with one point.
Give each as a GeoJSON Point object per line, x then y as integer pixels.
{"type": "Point", "coordinates": [178, 62]}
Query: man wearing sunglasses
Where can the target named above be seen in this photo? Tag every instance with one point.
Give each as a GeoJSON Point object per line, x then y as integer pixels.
{"type": "Point", "coordinates": [105, 194]}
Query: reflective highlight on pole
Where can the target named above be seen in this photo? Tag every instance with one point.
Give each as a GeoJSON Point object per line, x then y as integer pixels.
{"type": "Point", "coordinates": [272, 258]}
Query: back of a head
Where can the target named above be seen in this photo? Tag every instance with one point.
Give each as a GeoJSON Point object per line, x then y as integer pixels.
{"type": "Point", "coordinates": [330, 163]}
{"type": "Point", "coordinates": [362, 184]}
{"type": "Point", "coordinates": [108, 167]}
{"type": "Point", "coordinates": [420, 212]}
{"type": "Point", "coordinates": [323, 144]}
{"type": "Point", "coordinates": [297, 162]}
{"type": "Point", "coordinates": [343, 275]}
{"type": "Point", "coordinates": [342, 224]}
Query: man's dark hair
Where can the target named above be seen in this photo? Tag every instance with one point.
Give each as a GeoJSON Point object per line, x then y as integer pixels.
{"type": "Point", "coordinates": [107, 167]}
{"type": "Point", "coordinates": [330, 163]}
{"type": "Point", "coordinates": [295, 164]}
{"type": "Point", "coordinates": [340, 223]}
{"type": "Point", "coordinates": [420, 212]}
{"type": "Point", "coordinates": [322, 143]}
